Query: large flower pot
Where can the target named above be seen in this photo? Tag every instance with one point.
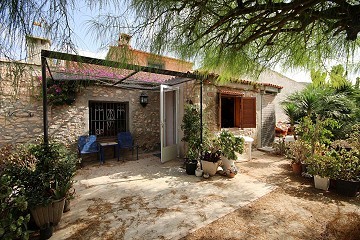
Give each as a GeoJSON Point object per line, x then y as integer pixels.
{"type": "Point", "coordinates": [347, 188]}
{"type": "Point", "coordinates": [296, 167]}
{"type": "Point", "coordinates": [50, 213]}
{"type": "Point", "coordinates": [322, 183]}
{"type": "Point", "coordinates": [210, 167]}
{"type": "Point", "coordinates": [191, 167]}
{"type": "Point", "coordinates": [227, 163]}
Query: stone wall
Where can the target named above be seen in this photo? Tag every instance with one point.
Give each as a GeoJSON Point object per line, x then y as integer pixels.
{"type": "Point", "coordinates": [20, 105]}
{"type": "Point", "coordinates": [21, 110]}
{"type": "Point", "coordinates": [211, 106]}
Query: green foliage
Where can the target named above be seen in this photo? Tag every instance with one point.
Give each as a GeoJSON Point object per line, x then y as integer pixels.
{"type": "Point", "coordinates": [13, 203]}
{"type": "Point", "coordinates": [13, 206]}
{"type": "Point", "coordinates": [325, 102]}
{"type": "Point", "coordinates": [45, 172]}
{"type": "Point", "coordinates": [191, 126]}
{"type": "Point", "coordinates": [298, 151]}
{"type": "Point", "coordinates": [347, 164]}
{"type": "Point", "coordinates": [322, 165]}
{"type": "Point", "coordinates": [231, 37]}
{"type": "Point", "coordinates": [316, 133]}
{"type": "Point", "coordinates": [318, 78]}
{"type": "Point", "coordinates": [229, 144]}
{"type": "Point", "coordinates": [338, 77]}
{"type": "Point", "coordinates": [280, 147]}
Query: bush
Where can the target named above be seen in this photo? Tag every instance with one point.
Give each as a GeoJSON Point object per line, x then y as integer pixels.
{"type": "Point", "coordinates": [13, 203]}
{"type": "Point", "coordinates": [31, 175]}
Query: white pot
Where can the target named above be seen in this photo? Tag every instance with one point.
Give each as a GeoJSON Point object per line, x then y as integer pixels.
{"type": "Point", "coordinates": [210, 167]}
{"type": "Point", "coordinates": [322, 183]}
{"type": "Point", "coordinates": [227, 164]}
{"type": "Point", "coordinates": [199, 172]}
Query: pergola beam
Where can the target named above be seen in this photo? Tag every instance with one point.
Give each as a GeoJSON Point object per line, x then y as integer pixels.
{"type": "Point", "coordinates": [108, 63]}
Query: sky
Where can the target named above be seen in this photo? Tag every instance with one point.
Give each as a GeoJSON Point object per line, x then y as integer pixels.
{"type": "Point", "coordinates": [88, 45]}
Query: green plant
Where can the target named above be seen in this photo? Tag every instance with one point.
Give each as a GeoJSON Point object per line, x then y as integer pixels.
{"type": "Point", "coordinates": [229, 144]}
{"type": "Point", "coordinates": [211, 156]}
{"type": "Point", "coordinates": [191, 127]}
{"type": "Point", "coordinates": [13, 203]}
{"type": "Point", "coordinates": [298, 151]}
{"type": "Point", "coordinates": [322, 165]}
{"type": "Point", "coordinates": [280, 147]}
{"type": "Point", "coordinates": [347, 164]}
{"type": "Point", "coordinates": [54, 173]}
{"type": "Point", "coordinates": [317, 132]}
{"type": "Point", "coordinates": [44, 172]}
{"type": "Point", "coordinates": [354, 136]}
{"type": "Point", "coordinates": [13, 206]}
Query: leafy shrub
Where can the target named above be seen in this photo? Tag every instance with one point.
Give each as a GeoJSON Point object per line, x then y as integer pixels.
{"type": "Point", "coordinates": [229, 144]}
{"type": "Point", "coordinates": [13, 203]}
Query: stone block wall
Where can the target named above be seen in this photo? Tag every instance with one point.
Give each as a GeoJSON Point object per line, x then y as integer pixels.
{"type": "Point", "coordinates": [20, 105]}
{"type": "Point", "coordinates": [21, 115]}
{"type": "Point", "coordinates": [211, 106]}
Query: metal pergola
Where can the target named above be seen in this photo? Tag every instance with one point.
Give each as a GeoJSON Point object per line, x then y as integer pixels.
{"type": "Point", "coordinates": [106, 63]}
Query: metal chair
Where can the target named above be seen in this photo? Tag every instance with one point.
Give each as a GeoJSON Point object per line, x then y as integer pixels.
{"type": "Point", "coordinates": [88, 144]}
{"type": "Point", "coordinates": [125, 140]}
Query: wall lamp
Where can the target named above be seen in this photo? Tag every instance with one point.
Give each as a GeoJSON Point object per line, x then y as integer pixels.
{"type": "Point", "coordinates": [144, 99]}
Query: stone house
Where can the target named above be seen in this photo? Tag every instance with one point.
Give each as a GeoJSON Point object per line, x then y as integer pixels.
{"type": "Point", "coordinates": [105, 108]}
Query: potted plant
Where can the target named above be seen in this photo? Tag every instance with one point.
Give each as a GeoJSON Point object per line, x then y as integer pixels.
{"type": "Point", "coordinates": [229, 146]}
{"type": "Point", "coordinates": [45, 174]}
{"type": "Point", "coordinates": [191, 127]}
{"type": "Point", "coordinates": [298, 152]}
{"type": "Point", "coordinates": [14, 216]}
{"type": "Point", "coordinates": [321, 167]}
{"type": "Point", "coordinates": [211, 161]}
{"type": "Point", "coordinates": [51, 181]}
{"type": "Point", "coordinates": [347, 171]}
{"type": "Point", "coordinates": [347, 165]}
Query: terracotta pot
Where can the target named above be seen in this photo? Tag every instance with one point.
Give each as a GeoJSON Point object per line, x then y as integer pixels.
{"type": "Point", "coordinates": [230, 175]}
{"type": "Point", "coordinates": [296, 167]}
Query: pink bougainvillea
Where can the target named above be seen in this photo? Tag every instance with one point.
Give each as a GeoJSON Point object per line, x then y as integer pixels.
{"type": "Point", "coordinates": [93, 72]}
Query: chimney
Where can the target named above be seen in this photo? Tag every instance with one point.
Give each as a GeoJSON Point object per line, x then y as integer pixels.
{"type": "Point", "coordinates": [124, 40]}
{"type": "Point", "coordinates": [34, 46]}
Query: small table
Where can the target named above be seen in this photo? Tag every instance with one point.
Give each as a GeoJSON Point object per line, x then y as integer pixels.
{"type": "Point", "coordinates": [105, 144]}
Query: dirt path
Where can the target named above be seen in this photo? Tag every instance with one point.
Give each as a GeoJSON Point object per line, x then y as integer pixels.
{"type": "Point", "coordinates": [294, 210]}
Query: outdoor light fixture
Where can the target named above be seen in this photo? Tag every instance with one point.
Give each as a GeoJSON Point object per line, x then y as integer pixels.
{"type": "Point", "coordinates": [144, 99]}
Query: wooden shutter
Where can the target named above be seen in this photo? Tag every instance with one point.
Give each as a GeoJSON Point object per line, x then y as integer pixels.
{"type": "Point", "coordinates": [248, 112]}
{"type": "Point", "coordinates": [237, 112]}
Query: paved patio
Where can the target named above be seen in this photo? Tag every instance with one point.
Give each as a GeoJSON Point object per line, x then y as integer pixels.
{"type": "Point", "coordinates": [145, 199]}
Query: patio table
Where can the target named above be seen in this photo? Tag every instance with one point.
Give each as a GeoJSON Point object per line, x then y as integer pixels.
{"type": "Point", "coordinates": [105, 144]}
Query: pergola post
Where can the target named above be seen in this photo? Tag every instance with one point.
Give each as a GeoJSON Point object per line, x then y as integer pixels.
{"type": "Point", "coordinates": [44, 95]}
{"type": "Point", "coordinates": [201, 110]}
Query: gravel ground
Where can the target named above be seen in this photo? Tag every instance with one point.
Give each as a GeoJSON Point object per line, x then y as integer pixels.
{"type": "Point", "coordinates": [294, 210]}
{"type": "Point", "coordinates": [148, 200]}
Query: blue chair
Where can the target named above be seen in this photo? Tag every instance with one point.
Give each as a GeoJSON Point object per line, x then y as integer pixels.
{"type": "Point", "coordinates": [88, 144]}
{"type": "Point", "coordinates": [125, 140]}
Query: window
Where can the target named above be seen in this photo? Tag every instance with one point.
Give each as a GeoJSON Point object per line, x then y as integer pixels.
{"type": "Point", "coordinates": [107, 118]}
{"type": "Point", "coordinates": [237, 111]}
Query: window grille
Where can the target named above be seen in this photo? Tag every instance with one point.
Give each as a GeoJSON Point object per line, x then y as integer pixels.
{"type": "Point", "coordinates": [107, 118]}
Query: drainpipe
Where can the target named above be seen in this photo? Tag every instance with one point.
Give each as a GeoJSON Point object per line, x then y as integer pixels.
{"type": "Point", "coordinates": [201, 118]}
{"type": "Point", "coordinates": [44, 90]}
